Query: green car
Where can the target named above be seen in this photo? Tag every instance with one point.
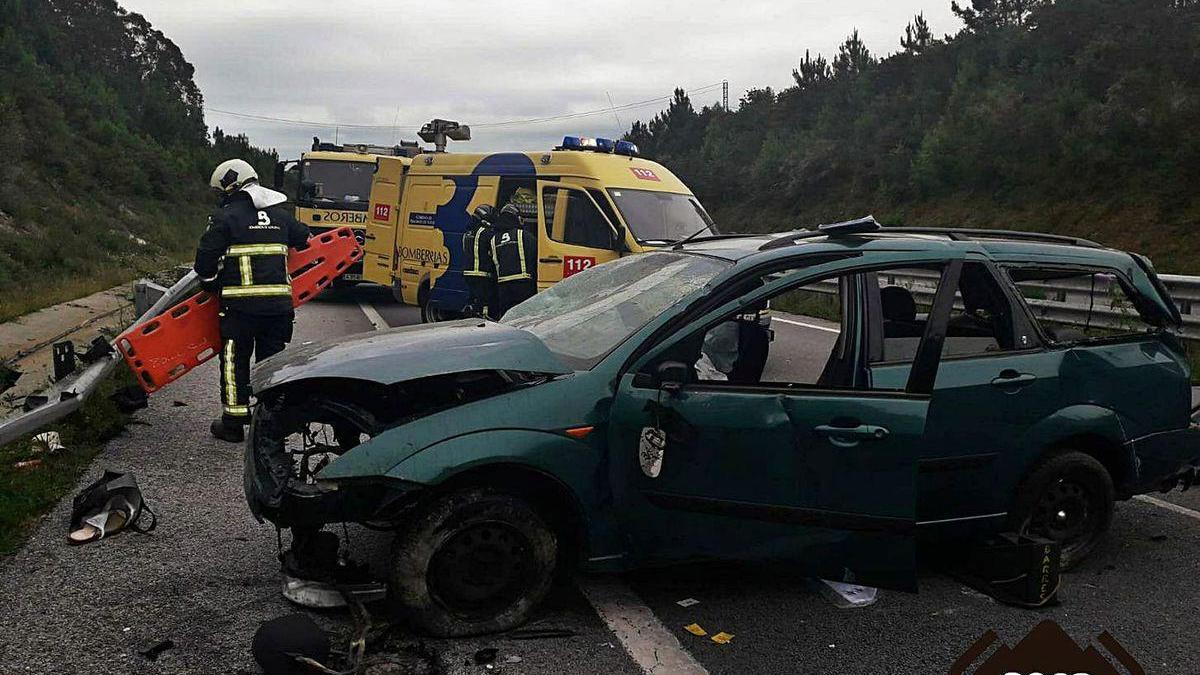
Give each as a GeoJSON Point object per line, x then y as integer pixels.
{"type": "Point", "coordinates": [823, 397]}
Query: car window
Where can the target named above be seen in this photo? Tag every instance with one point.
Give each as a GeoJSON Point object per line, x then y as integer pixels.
{"type": "Point", "coordinates": [585, 316]}
{"type": "Point", "coordinates": [815, 335]}
{"type": "Point", "coordinates": [583, 224]}
{"type": "Point", "coordinates": [1072, 305]}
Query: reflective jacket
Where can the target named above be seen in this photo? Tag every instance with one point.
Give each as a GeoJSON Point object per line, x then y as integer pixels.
{"type": "Point", "coordinates": [514, 251]}
{"type": "Point", "coordinates": [477, 252]}
{"type": "Point", "coordinates": [243, 254]}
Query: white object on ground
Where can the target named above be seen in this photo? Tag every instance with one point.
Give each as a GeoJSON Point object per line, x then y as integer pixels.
{"type": "Point", "coordinates": [847, 596]}
{"type": "Point", "coordinates": [48, 442]}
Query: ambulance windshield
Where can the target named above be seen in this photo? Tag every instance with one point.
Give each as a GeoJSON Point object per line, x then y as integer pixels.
{"type": "Point", "coordinates": [335, 184]}
{"type": "Point", "coordinates": [661, 217]}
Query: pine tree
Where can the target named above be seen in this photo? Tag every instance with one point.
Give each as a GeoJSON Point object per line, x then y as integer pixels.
{"type": "Point", "coordinates": [917, 35]}
{"type": "Point", "coordinates": [812, 72]}
{"type": "Point", "coordinates": [853, 57]}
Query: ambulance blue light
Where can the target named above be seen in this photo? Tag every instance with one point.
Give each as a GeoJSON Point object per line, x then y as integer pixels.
{"type": "Point", "coordinates": [604, 144]}
{"type": "Point", "coordinates": [626, 148]}
{"type": "Point", "coordinates": [571, 143]}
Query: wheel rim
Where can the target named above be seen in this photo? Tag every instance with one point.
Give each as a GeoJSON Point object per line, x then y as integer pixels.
{"type": "Point", "coordinates": [1066, 513]}
{"type": "Point", "coordinates": [482, 569]}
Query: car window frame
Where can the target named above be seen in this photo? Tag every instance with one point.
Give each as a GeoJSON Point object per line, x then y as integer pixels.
{"type": "Point", "coordinates": [719, 304]}
{"type": "Point", "coordinates": [1127, 286]}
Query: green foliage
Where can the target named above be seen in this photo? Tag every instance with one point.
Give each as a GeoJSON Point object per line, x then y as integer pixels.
{"type": "Point", "coordinates": [1076, 116]}
{"type": "Point", "coordinates": [104, 144]}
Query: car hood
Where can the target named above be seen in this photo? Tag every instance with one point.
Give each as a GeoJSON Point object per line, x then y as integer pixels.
{"type": "Point", "coordinates": [409, 353]}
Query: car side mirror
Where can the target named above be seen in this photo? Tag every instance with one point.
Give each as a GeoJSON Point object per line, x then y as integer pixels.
{"type": "Point", "coordinates": [618, 236]}
{"type": "Point", "coordinates": [672, 375]}
{"type": "Point", "coordinates": [278, 175]}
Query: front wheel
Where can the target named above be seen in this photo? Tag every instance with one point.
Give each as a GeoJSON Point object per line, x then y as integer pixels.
{"type": "Point", "coordinates": [1067, 498]}
{"type": "Point", "coordinates": [472, 562]}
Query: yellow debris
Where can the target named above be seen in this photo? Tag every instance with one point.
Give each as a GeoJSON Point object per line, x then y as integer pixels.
{"type": "Point", "coordinates": [722, 638]}
{"type": "Point", "coordinates": [695, 629]}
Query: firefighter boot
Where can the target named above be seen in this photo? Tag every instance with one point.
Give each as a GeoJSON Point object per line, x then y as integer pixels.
{"type": "Point", "coordinates": [233, 433]}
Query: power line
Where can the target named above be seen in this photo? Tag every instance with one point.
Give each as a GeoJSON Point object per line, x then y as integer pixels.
{"type": "Point", "coordinates": [480, 125]}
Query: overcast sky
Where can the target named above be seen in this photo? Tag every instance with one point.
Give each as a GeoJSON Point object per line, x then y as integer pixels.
{"type": "Point", "coordinates": [400, 63]}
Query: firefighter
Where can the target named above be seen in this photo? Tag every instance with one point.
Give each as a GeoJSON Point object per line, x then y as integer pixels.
{"type": "Point", "coordinates": [478, 270]}
{"type": "Point", "coordinates": [243, 256]}
{"type": "Point", "coordinates": [514, 253]}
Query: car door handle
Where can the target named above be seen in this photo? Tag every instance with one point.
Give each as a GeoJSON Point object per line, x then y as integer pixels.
{"type": "Point", "coordinates": [552, 259]}
{"type": "Point", "coordinates": [850, 436]}
{"type": "Point", "coordinates": [1011, 378]}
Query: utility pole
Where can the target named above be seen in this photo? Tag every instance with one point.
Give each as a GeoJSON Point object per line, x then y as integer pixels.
{"type": "Point", "coordinates": [725, 94]}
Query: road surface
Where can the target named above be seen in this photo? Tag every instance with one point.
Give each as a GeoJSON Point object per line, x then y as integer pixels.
{"type": "Point", "coordinates": [207, 577]}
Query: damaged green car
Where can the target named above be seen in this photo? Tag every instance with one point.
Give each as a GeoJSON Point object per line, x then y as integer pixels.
{"type": "Point", "coordinates": [824, 397]}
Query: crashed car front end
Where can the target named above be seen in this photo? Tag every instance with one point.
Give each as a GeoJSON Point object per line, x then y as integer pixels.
{"type": "Point", "coordinates": [323, 406]}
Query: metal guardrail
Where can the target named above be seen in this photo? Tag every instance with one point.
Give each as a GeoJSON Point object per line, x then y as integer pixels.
{"type": "Point", "coordinates": [1070, 301]}
{"type": "Point", "coordinates": [68, 395]}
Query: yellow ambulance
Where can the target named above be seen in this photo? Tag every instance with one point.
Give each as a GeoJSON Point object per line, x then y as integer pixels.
{"type": "Point", "coordinates": [331, 185]}
{"type": "Point", "coordinates": [592, 201]}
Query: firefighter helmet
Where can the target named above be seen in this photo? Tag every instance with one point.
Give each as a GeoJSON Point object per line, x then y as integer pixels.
{"type": "Point", "coordinates": [232, 175]}
{"type": "Point", "coordinates": [485, 213]}
{"type": "Point", "coordinates": [511, 209]}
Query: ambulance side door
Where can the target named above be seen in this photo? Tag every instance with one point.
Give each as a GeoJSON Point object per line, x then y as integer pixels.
{"type": "Point", "coordinates": [573, 233]}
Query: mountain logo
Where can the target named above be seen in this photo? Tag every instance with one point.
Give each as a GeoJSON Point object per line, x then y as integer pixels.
{"type": "Point", "coordinates": [1047, 649]}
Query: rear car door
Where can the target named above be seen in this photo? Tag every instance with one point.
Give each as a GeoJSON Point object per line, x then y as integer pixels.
{"type": "Point", "coordinates": [779, 460]}
{"type": "Point", "coordinates": [574, 234]}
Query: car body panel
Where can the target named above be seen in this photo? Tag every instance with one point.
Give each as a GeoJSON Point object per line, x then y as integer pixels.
{"type": "Point", "coordinates": [409, 353]}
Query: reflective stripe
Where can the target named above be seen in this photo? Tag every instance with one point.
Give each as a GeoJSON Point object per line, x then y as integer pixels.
{"type": "Point", "coordinates": [257, 249]}
{"type": "Point", "coordinates": [230, 380]}
{"type": "Point", "coordinates": [237, 410]}
{"type": "Point", "coordinates": [473, 273]}
{"type": "Point", "coordinates": [515, 277]}
{"type": "Point", "coordinates": [247, 270]}
{"type": "Point", "coordinates": [255, 291]}
{"type": "Point", "coordinates": [521, 251]}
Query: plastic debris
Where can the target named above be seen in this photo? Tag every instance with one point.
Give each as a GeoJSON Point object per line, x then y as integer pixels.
{"type": "Point", "coordinates": [695, 629]}
{"type": "Point", "coordinates": [28, 464]}
{"type": "Point", "coordinates": [722, 638]}
{"type": "Point", "coordinates": [513, 658]}
{"type": "Point", "coordinates": [846, 596]}
{"type": "Point", "coordinates": [688, 602]}
{"type": "Point", "coordinates": [49, 441]}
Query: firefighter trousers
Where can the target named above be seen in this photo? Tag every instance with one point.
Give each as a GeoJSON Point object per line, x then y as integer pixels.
{"type": "Point", "coordinates": [242, 336]}
{"type": "Point", "coordinates": [511, 293]}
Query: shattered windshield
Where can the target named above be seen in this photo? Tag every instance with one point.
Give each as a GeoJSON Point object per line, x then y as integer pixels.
{"type": "Point", "coordinates": [661, 217]}
{"type": "Point", "coordinates": [585, 316]}
{"type": "Point", "coordinates": [339, 184]}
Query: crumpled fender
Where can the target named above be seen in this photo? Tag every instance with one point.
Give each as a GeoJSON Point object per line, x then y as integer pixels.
{"type": "Point", "coordinates": [1078, 420]}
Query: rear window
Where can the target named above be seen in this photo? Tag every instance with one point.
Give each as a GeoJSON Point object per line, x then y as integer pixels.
{"type": "Point", "coordinates": [1073, 305]}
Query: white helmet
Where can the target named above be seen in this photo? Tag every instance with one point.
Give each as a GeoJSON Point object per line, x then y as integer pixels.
{"type": "Point", "coordinates": [232, 175]}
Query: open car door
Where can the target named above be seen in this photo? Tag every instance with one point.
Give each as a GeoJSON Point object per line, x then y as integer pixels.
{"type": "Point", "coordinates": [823, 476]}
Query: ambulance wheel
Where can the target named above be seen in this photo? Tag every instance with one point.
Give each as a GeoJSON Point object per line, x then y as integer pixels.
{"type": "Point", "coordinates": [472, 562]}
{"type": "Point", "coordinates": [1068, 498]}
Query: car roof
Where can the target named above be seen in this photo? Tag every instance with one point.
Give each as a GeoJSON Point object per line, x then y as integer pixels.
{"type": "Point", "coordinates": [999, 246]}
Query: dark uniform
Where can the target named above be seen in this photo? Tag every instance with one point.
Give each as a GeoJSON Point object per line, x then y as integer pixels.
{"type": "Point", "coordinates": [478, 269]}
{"type": "Point", "coordinates": [514, 253]}
{"type": "Point", "coordinates": [243, 256]}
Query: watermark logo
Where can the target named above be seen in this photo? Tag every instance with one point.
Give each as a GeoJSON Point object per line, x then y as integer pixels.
{"type": "Point", "coordinates": [1046, 650]}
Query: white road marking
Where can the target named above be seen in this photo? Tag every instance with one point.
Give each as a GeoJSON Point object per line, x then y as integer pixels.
{"type": "Point", "coordinates": [1168, 506]}
{"type": "Point", "coordinates": [373, 316]}
{"type": "Point", "coordinates": [805, 325]}
{"type": "Point", "coordinates": [655, 649]}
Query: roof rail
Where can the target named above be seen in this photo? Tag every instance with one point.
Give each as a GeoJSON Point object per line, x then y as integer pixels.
{"type": "Point", "coordinates": [954, 233]}
{"type": "Point", "coordinates": [968, 233]}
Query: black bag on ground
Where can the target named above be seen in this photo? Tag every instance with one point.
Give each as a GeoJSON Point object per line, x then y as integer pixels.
{"type": "Point", "coordinates": [98, 496]}
{"type": "Point", "coordinates": [1018, 570]}
{"type": "Point", "coordinates": [279, 642]}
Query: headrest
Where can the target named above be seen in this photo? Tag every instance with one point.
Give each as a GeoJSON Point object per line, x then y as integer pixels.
{"type": "Point", "coordinates": [898, 304]}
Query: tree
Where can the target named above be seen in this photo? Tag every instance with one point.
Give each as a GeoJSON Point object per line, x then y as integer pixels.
{"type": "Point", "coordinates": [812, 72]}
{"type": "Point", "coordinates": [917, 36]}
{"type": "Point", "coordinates": [853, 57]}
{"type": "Point", "coordinates": [988, 14]}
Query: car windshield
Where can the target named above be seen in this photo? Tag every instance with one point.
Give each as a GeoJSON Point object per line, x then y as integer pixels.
{"type": "Point", "coordinates": [583, 317]}
{"type": "Point", "coordinates": [339, 183]}
{"type": "Point", "coordinates": [661, 217]}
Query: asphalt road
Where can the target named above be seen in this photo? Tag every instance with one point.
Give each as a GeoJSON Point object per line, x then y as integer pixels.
{"type": "Point", "coordinates": [208, 576]}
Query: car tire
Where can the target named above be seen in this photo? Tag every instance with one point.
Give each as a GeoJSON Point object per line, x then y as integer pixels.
{"type": "Point", "coordinates": [1067, 497]}
{"type": "Point", "coordinates": [472, 562]}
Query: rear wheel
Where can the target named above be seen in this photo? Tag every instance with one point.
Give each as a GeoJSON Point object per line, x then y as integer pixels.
{"type": "Point", "coordinates": [1067, 498]}
{"type": "Point", "coordinates": [472, 562]}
